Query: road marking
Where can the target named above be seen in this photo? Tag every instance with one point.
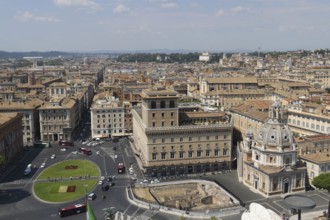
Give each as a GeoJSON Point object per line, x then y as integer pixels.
{"type": "Point", "coordinates": [127, 208]}
{"type": "Point", "coordinates": [319, 196]}
{"type": "Point", "coordinates": [255, 200]}
{"type": "Point", "coordinates": [136, 212]}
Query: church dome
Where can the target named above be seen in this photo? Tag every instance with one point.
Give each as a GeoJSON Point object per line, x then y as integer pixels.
{"type": "Point", "coordinates": [275, 132]}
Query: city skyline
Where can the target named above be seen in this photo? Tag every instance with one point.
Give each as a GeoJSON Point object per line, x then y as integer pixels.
{"type": "Point", "coordinates": [126, 25]}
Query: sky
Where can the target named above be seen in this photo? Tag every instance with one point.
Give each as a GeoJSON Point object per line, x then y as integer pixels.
{"type": "Point", "coordinates": [132, 25]}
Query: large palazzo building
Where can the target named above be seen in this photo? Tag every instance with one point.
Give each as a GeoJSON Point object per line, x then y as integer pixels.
{"type": "Point", "coordinates": [171, 142]}
{"type": "Point", "coordinates": [268, 163]}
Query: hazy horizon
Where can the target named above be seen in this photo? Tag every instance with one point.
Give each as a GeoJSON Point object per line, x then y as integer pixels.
{"type": "Point", "coordinates": [196, 25]}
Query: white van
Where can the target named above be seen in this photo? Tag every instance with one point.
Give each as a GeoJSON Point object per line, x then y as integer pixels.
{"type": "Point", "coordinates": [91, 196]}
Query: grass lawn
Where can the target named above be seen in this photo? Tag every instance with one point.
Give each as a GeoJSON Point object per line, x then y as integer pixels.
{"type": "Point", "coordinates": [50, 191]}
{"type": "Point", "coordinates": [58, 191]}
{"type": "Point", "coordinates": [83, 168]}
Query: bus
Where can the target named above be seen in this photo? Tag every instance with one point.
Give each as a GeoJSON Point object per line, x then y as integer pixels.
{"type": "Point", "coordinates": [72, 210]}
{"type": "Point", "coordinates": [66, 143]}
{"type": "Point", "coordinates": [86, 151]}
{"type": "Point", "coordinates": [121, 167]}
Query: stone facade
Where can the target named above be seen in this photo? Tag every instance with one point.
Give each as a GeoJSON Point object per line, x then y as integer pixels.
{"type": "Point", "coordinates": [268, 163]}
{"type": "Point", "coordinates": [170, 142]}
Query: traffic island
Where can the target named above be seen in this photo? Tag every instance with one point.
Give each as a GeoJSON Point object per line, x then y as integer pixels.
{"type": "Point", "coordinates": [66, 181]}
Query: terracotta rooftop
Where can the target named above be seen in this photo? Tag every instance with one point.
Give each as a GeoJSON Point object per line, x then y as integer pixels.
{"type": "Point", "coordinates": [4, 117]}
{"type": "Point", "coordinates": [317, 157]}
{"type": "Point", "coordinates": [232, 80]}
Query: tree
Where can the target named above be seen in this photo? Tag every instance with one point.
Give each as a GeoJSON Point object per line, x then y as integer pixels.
{"type": "Point", "coordinates": [109, 213]}
{"type": "Point", "coordinates": [2, 160]}
{"type": "Point", "coordinates": [213, 218]}
{"type": "Point", "coordinates": [322, 181]}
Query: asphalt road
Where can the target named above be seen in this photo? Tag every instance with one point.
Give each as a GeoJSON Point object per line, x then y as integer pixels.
{"type": "Point", "coordinates": [18, 203]}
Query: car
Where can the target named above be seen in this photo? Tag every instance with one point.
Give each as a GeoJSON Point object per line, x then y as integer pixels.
{"type": "Point", "coordinates": [85, 142]}
{"type": "Point", "coordinates": [100, 182]}
{"type": "Point", "coordinates": [111, 184]}
{"type": "Point", "coordinates": [105, 187]}
{"type": "Point", "coordinates": [91, 196]}
{"type": "Point", "coordinates": [109, 178]}
{"type": "Point", "coordinates": [116, 156]}
{"type": "Point", "coordinates": [144, 182]}
{"type": "Point", "coordinates": [133, 178]}
{"type": "Point", "coordinates": [102, 178]}
{"type": "Point", "coordinates": [43, 165]}
{"type": "Point", "coordinates": [53, 156]}
{"type": "Point", "coordinates": [64, 149]}
{"type": "Point", "coordinates": [114, 148]}
{"type": "Point", "coordinates": [74, 152]}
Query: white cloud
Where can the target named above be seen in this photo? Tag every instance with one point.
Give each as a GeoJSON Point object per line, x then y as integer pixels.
{"type": "Point", "coordinates": [169, 5]}
{"type": "Point", "coordinates": [84, 3]}
{"type": "Point", "coordinates": [28, 16]}
{"type": "Point", "coordinates": [238, 9]}
{"type": "Point", "coordinates": [121, 8]}
{"type": "Point", "coordinates": [220, 13]}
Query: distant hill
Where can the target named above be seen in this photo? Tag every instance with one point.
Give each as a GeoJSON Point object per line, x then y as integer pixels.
{"type": "Point", "coordinates": [20, 55]}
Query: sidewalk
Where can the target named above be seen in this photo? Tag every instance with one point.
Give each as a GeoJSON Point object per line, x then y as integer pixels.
{"type": "Point", "coordinates": [308, 215]}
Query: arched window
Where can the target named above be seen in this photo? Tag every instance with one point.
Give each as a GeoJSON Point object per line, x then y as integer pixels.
{"type": "Point", "coordinates": [162, 104]}
{"type": "Point", "coordinates": [153, 104]}
{"type": "Point", "coordinates": [172, 104]}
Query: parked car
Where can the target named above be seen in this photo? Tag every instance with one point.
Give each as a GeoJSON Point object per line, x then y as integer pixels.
{"type": "Point", "coordinates": [43, 165]}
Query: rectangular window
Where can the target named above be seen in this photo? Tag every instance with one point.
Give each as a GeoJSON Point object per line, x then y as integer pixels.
{"type": "Point", "coordinates": [207, 138]}
{"type": "Point", "coordinates": [163, 114]}
{"type": "Point", "coordinates": [163, 140]}
{"type": "Point", "coordinates": [224, 152]}
{"type": "Point", "coordinates": [190, 154]}
{"type": "Point", "coordinates": [172, 123]}
{"type": "Point", "coordinates": [163, 123]}
{"type": "Point", "coordinates": [181, 139]}
{"type": "Point", "coordinates": [172, 114]}
{"type": "Point", "coordinates": [216, 152]}
{"type": "Point", "coordinates": [172, 139]}
{"type": "Point", "coordinates": [172, 155]}
{"type": "Point", "coordinates": [207, 153]}
{"type": "Point", "coordinates": [190, 138]}
{"type": "Point", "coordinates": [153, 140]}
{"type": "Point", "coordinates": [154, 156]}
{"type": "Point", "coordinates": [181, 155]}
{"type": "Point", "coordinates": [153, 124]}
{"type": "Point", "coordinates": [153, 115]}
{"type": "Point", "coordinates": [163, 156]}
{"type": "Point", "coordinates": [199, 153]}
